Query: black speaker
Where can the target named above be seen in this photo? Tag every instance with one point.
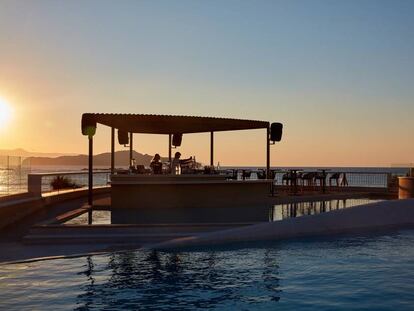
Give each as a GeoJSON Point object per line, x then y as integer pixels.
{"type": "Point", "coordinates": [88, 125]}
{"type": "Point", "coordinates": [176, 140]}
{"type": "Point", "coordinates": [276, 131]}
{"type": "Point", "coordinates": [123, 137]}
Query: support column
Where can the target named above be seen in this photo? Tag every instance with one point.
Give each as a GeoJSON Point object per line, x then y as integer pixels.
{"type": "Point", "coordinates": [211, 148]}
{"type": "Point", "coordinates": [169, 151]}
{"type": "Point", "coordinates": [268, 175]}
{"type": "Point", "coordinates": [130, 148]}
{"type": "Point", "coordinates": [90, 180]}
{"type": "Point", "coordinates": [112, 150]}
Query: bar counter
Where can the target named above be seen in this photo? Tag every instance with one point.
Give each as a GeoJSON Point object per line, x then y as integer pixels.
{"type": "Point", "coordinates": [186, 198]}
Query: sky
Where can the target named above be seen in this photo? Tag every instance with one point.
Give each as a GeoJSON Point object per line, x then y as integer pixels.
{"type": "Point", "coordinates": [338, 74]}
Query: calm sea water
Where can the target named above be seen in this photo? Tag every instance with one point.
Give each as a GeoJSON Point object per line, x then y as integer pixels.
{"type": "Point", "coordinates": [14, 180]}
{"type": "Point", "coordinates": [374, 272]}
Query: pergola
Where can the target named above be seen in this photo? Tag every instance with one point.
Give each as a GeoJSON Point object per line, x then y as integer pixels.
{"type": "Point", "coordinates": [168, 125]}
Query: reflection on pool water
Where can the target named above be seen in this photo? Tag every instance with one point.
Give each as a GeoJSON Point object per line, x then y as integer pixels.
{"type": "Point", "coordinates": [275, 212]}
{"type": "Point", "coordinates": [371, 272]}
{"type": "Point", "coordinates": [98, 218]}
{"type": "Point", "coordinates": [282, 211]}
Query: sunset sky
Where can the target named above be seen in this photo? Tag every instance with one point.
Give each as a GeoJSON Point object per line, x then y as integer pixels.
{"type": "Point", "coordinates": [338, 74]}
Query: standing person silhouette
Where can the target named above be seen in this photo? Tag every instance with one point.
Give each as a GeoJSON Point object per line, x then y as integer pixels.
{"type": "Point", "coordinates": [175, 165]}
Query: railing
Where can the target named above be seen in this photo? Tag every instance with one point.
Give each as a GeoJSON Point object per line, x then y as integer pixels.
{"type": "Point", "coordinates": [41, 183]}
{"type": "Point", "coordinates": [13, 174]}
{"type": "Point", "coordinates": [345, 178]}
{"type": "Point", "coordinates": [15, 177]}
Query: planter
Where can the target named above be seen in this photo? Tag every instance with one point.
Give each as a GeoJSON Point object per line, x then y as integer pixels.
{"type": "Point", "coordinates": [405, 187]}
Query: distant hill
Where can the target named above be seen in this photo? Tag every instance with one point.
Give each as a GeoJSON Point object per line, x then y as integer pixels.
{"type": "Point", "coordinates": [103, 159]}
{"type": "Point", "coordinates": [19, 152]}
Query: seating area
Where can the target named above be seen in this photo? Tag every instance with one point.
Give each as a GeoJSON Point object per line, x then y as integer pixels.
{"type": "Point", "coordinates": [294, 180]}
{"type": "Point", "coordinates": [299, 180]}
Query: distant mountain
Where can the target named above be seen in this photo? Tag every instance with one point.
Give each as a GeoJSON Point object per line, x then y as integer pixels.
{"type": "Point", "coordinates": [103, 159]}
{"type": "Point", "coordinates": [24, 153]}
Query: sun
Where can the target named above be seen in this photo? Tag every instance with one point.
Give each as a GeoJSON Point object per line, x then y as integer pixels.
{"type": "Point", "coordinates": [5, 112]}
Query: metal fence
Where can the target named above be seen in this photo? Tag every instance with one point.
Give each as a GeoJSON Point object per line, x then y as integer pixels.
{"type": "Point", "coordinates": [13, 174]}
{"type": "Point", "coordinates": [332, 178]}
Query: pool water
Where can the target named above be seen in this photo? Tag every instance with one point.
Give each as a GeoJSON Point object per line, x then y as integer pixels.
{"type": "Point", "coordinates": [289, 210]}
{"type": "Point", "coordinates": [98, 218]}
{"type": "Point", "coordinates": [272, 213]}
{"type": "Point", "coordinates": [364, 272]}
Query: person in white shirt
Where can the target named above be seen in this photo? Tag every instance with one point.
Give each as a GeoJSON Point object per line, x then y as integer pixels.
{"type": "Point", "coordinates": [175, 165]}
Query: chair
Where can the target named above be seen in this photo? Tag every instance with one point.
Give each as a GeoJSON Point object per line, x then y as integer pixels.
{"type": "Point", "coordinates": [246, 174]}
{"type": "Point", "coordinates": [344, 180]}
{"type": "Point", "coordinates": [261, 174]}
{"type": "Point", "coordinates": [288, 177]}
{"type": "Point", "coordinates": [231, 174]}
{"type": "Point", "coordinates": [308, 179]}
{"type": "Point", "coordinates": [334, 176]}
{"type": "Point", "coordinates": [321, 177]}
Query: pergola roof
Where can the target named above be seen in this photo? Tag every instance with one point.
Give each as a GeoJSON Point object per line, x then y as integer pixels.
{"type": "Point", "coordinates": [168, 124]}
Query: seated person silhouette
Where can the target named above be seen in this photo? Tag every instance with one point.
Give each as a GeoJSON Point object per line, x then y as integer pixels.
{"type": "Point", "coordinates": [156, 164]}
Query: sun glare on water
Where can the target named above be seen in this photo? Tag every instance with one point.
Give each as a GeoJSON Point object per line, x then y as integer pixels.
{"type": "Point", "coordinates": [5, 112]}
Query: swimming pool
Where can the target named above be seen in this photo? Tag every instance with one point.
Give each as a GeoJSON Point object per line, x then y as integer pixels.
{"type": "Point", "coordinates": [364, 272]}
{"type": "Point", "coordinates": [262, 213]}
